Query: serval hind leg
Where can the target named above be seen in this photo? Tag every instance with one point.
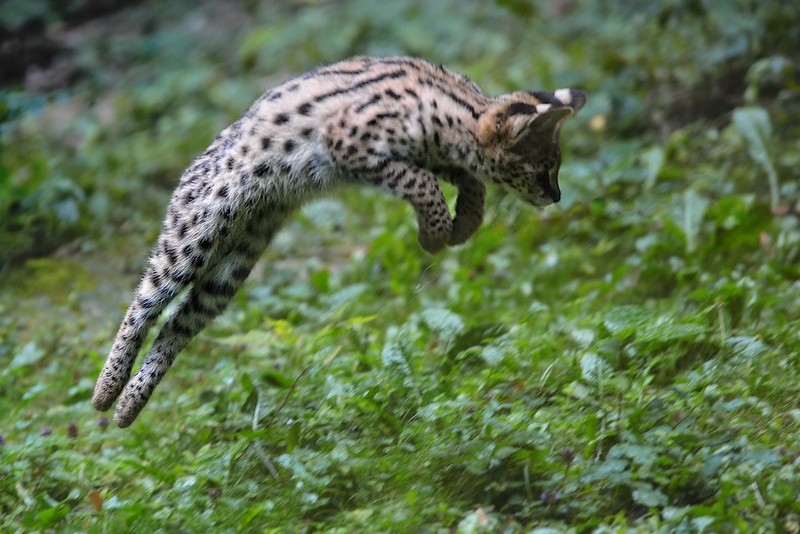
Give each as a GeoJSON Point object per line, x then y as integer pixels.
{"type": "Point", "coordinates": [211, 292]}
{"type": "Point", "coordinates": [158, 287]}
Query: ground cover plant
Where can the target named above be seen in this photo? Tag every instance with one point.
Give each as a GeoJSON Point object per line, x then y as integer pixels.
{"type": "Point", "coordinates": [625, 361]}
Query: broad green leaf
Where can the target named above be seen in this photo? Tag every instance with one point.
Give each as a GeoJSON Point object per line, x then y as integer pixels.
{"type": "Point", "coordinates": [623, 322]}
{"type": "Point", "coordinates": [276, 379]}
{"type": "Point", "coordinates": [393, 358]}
{"type": "Point", "coordinates": [746, 346]}
{"type": "Point", "coordinates": [29, 354]}
{"type": "Point", "coordinates": [594, 367]}
{"type": "Point", "coordinates": [754, 125]}
{"type": "Point", "coordinates": [646, 495]}
{"type": "Point", "coordinates": [653, 159]}
{"type": "Point", "coordinates": [638, 454]}
{"type": "Point", "coordinates": [444, 322]}
{"type": "Point", "coordinates": [666, 332]}
{"type": "Point", "coordinates": [476, 336]}
{"type": "Point", "coordinates": [693, 209]}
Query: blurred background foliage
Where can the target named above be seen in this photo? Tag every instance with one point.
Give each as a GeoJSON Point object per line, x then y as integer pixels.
{"type": "Point", "coordinates": [108, 103]}
{"type": "Point", "coordinates": [626, 359]}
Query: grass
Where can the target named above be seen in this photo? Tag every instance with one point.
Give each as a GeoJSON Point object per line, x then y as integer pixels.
{"type": "Point", "coordinates": [625, 361]}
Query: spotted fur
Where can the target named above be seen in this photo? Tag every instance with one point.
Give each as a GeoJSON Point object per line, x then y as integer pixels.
{"type": "Point", "coordinates": [398, 123]}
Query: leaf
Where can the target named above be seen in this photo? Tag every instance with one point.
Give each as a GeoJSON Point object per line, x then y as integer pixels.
{"type": "Point", "coordinates": [645, 495]}
{"type": "Point", "coordinates": [521, 8]}
{"type": "Point", "coordinates": [51, 516]}
{"type": "Point", "coordinates": [321, 280]}
{"type": "Point", "coordinates": [444, 322]}
{"type": "Point", "coordinates": [593, 367]}
{"type": "Point", "coordinates": [393, 358]}
{"type": "Point", "coordinates": [653, 160]}
{"type": "Point", "coordinates": [476, 336]}
{"type": "Point", "coordinates": [80, 391]}
{"type": "Point", "coordinates": [28, 355]}
{"type": "Point", "coordinates": [613, 471]}
{"type": "Point", "coordinates": [623, 322]}
{"type": "Point", "coordinates": [326, 213]}
{"type": "Point", "coordinates": [293, 436]}
{"type": "Point", "coordinates": [276, 378]}
{"type": "Point", "coordinates": [627, 322]}
{"type": "Point", "coordinates": [345, 295]}
{"type": "Point", "coordinates": [746, 346]}
{"type": "Point", "coordinates": [694, 209]}
{"type": "Point", "coordinates": [754, 125]}
{"type": "Point", "coordinates": [665, 332]}
{"type": "Point", "coordinates": [638, 454]}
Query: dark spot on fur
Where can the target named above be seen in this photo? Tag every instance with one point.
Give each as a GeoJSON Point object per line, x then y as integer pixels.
{"type": "Point", "coordinates": [220, 289]}
{"type": "Point", "coordinates": [304, 109]}
{"type": "Point", "coordinates": [181, 277]}
{"type": "Point", "coordinates": [172, 256]}
{"type": "Point", "coordinates": [281, 118]}
{"type": "Point", "coordinates": [241, 272]}
{"type": "Point", "coordinates": [223, 192]}
{"type": "Point", "coordinates": [197, 306]}
{"type": "Point", "coordinates": [197, 261]}
{"type": "Point", "coordinates": [265, 142]}
{"type": "Point", "coordinates": [262, 169]}
{"type": "Point", "coordinates": [374, 100]}
{"type": "Point", "coordinates": [288, 146]}
{"type": "Point", "coordinates": [148, 302]}
{"type": "Point", "coordinates": [181, 329]}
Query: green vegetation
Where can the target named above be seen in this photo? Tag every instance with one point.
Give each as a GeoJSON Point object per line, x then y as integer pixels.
{"type": "Point", "coordinates": [626, 360]}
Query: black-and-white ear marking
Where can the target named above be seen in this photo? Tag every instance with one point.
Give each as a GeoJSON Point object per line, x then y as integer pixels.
{"type": "Point", "coordinates": [572, 98]}
{"type": "Point", "coordinates": [522, 114]}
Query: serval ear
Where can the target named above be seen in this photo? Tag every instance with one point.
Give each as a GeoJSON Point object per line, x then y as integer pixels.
{"type": "Point", "coordinates": [521, 118]}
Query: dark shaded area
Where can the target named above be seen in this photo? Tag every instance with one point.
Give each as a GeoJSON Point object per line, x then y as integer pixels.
{"type": "Point", "coordinates": [27, 45]}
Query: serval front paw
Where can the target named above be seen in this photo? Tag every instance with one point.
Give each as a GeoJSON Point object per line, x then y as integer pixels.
{"type": "Point", "coordinates": [435, 237]}
{"type": "Point", "coordinates": [464, 226]}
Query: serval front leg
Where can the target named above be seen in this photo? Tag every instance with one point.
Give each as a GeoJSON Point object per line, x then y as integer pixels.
{"type": "Point", "coordinates": [469, 206]}
{"type": "Point", "coordinates": [420, 188]}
